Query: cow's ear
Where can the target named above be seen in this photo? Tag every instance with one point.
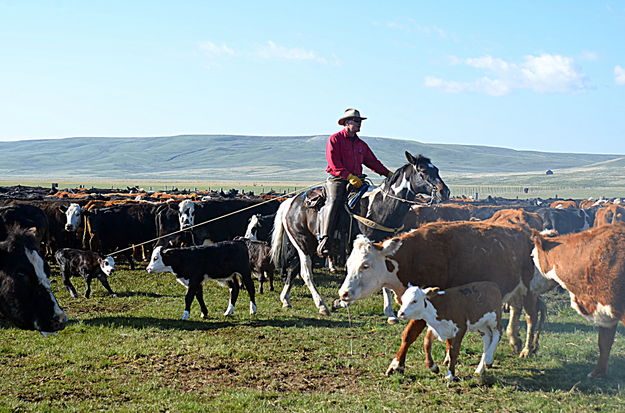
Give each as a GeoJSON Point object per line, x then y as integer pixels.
{"type": "Point", "coordinates": [32, 231]}
{"type": "Point", "coordinates": [391, 246]}
{"type": "Point", "coordinates": [361, 242]}
{"type": "Point", "coordinates": [432, 291]}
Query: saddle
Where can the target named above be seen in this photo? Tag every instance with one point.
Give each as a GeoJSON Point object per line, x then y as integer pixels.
{"type": "Point", "coordinates": [315, 198]}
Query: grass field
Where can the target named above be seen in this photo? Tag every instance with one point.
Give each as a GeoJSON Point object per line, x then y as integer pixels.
{"type": "Point", "coordinates": [132, 353]}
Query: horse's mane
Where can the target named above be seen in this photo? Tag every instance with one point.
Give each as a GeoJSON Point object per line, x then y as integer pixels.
{"type": "Point", "coordinates": [420, 159]}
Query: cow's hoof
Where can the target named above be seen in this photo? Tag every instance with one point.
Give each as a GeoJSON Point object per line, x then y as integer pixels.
{"type": "Point", "coordinates": [451, 378]}
{"type": "Point", "coordinates": [324, 311]}
{"type": "Point", "coordinates": [525, 353]}
{"type": "Point", "coordinates": [114, 295]}
{"type": "Point", "coordinates": [434, 368]}
{"type": "Point", "coordinates": [596, 374]}
{"type": "Point", "coordinates": [392, 320]}
{"type": "Point", "coordinates": [286, 305]}
{"type": "Point", "coordinates": [394, 367]}
{"type": "Point", "coordinates": [204, 316]}
{"type": "Point", "coordinates": [338, 303]}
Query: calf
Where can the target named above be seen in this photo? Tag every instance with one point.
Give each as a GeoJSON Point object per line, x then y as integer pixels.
{"type": "Point", "coordinates": [224, 262]}
{"type": "Point", "coordinates": [450, 313]}
{"type": "Point", "coordinates": [87, 264]}
{"type": "Point", "coordinates": [260, 261]}
{"type": "Point", "coordinates": [590, 265]}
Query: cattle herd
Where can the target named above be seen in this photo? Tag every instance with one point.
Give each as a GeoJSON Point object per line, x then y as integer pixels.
{"type": "Point", "coordinates": [451, 269]}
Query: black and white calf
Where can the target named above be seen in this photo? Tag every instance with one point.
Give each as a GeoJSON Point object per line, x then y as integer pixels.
{"type": "Point", "coordinates": [450, 313]}
{"type": "Point", "coordinates": [260, 261]}
{"type": "Point", "coordinates": [26, 298]}
{"type": "Point", "coordinates": [87, 264]}
{"type": "Point", "coordinates": [225, 261]}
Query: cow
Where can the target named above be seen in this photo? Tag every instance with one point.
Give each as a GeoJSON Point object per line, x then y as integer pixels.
{"type": "Point", "coordinates": [87, 264]}
{"type": "Point", "coordinates": [446, 254]}
{"type": "Point", "coordinates": [568, 220]}
{"type": "Point", "coordinates": [590, 265]}
{"type": "Point", "coordinates": [260, 261]}
{"type": "Point", "coordinates": [115, 228]}
{"type": "Point", "coordinates": [225, 261]}
{"type": "Point", "coordinates": [25, 216]}
{"type": "Point", "coordinates": [229, 217]}
{"type": "Point", "coordinates": [609, 215]}
{"type": "Point", "coordinates": [259, 227]}
{"type": "Point", "coordinates": [450, 313]}
{"type": "Point", "coordinates": [26, 298]}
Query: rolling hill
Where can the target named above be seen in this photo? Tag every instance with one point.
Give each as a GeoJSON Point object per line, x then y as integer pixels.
{"type": "Point", "coordinates": [254, 157]}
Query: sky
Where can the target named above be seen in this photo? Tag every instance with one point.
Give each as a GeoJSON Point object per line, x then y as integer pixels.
{"type": "Point", "coordinates": [544, 76]}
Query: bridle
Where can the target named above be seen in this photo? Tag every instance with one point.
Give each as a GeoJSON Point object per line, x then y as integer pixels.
{"type": "Point", "coordinates": [433, 192]}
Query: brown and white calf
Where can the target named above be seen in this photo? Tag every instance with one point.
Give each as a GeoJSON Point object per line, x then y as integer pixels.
{"type": "Point", "coordinates": [451, 313]}
{"type": "Point", "coordinates": [590, 265]}
{"type": "Point", "coordinates": [446, 254]}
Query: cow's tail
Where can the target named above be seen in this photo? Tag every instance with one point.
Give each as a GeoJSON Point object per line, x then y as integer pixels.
{"type": "Point", "coordinates": [279, 238]}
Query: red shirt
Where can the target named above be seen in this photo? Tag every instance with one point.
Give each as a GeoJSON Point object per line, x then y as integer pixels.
{"type": "Point", "coordinates": [346, 156]}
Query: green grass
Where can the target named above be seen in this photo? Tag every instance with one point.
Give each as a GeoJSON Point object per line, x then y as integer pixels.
{"type": "Point", "coordinates": [132, 353]}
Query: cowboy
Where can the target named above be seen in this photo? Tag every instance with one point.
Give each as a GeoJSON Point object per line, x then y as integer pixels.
{"type": "Point", "coordinates": [345, 153]}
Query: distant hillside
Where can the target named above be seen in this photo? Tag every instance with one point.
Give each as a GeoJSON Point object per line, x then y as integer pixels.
{"type": "Point", "coordinates": [252, 157]}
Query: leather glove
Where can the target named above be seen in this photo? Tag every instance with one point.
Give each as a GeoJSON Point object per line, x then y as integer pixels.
{"type": "Point", "coordinates": [354, 180]}
{"type": "Point", "coordinates": [389, 174]}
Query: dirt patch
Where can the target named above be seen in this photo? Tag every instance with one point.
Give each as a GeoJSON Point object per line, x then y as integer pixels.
{"type": "Point", "coordinates": [197, 373]}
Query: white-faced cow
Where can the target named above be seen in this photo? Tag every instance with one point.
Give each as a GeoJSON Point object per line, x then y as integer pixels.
{"type": "Point", "coordinates": [450, 313]}
{"type": "Point", "coordinates": [26, 298]}
{"type": "Point", "coordinates": [87, 264]}
{"type": "Point", "coordinates": [590, 265]}
{"type": "Point", "coordinates": [445, 254]}
{"type": "Point", "coordinates": [225, 261]}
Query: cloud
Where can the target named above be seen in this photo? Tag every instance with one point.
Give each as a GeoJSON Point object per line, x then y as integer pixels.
{"type": "Point", "coordinates": [619, 75]}
{"type": "Point", "coordinates": [213, 50]}
{"type": "Point", "coordinates": [411, 26]}
{"type": "Point", "coordinates": [269, 50]}
{"type": "Point", "coordinates": [545, 73]}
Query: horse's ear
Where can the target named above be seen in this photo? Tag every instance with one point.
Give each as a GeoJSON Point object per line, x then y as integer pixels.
{"type": "Point", "coordinates": [411, 158]}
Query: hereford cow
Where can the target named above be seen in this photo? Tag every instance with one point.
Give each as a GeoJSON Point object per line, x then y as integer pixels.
{"type": "Point", "coordinates": [450, 313]}
{"type": "Point", "coordinates": [609, 215]}
{"type": "Point", "coordinates": [225, 261]}
{"type": "Point", "coordinates": [87, 264]}
{"type": "Point", "coordinates": [26, 298]}
{"type": "Point", "coordinates": [590, 265]}
{"type": "Point", "coordinates": [446, 254]}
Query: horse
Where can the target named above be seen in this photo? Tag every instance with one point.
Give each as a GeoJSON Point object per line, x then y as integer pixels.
{"type": "Point", "coordinates": [382, 211]}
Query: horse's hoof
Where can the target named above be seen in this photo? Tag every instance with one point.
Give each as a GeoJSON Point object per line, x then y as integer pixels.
{"type": "Point", "coordinates": [204, 316]}
{"type": "Point", "coordinates": [286, 305]}
{"type": "Point", "coordinates": [392, 320]}
{"type": "Point", "coordinates": [324, 311]}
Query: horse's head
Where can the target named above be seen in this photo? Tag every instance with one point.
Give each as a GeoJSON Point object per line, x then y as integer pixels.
{"type": "Point", "coordinates": [418, 176]}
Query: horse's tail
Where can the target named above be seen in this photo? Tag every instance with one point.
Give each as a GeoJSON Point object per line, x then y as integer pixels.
{"type": "Point", "coordinates": [279, 240]}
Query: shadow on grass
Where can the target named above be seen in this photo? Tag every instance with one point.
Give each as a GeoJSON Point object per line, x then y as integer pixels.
{"type": "Point", "coordinates": [168, 324]}
{"type": "Point", "coordinates": [571, 377]}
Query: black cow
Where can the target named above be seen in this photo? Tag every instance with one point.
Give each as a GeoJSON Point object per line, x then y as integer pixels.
{"type": "Point", "coordinates": [259, 227]}
{"type": "Point", "coordinates": [26, 298]}
{"type": "Point", "coordinates": [194, 213]}
{"type": "Point", "coordinates": [166, 222]}
{"type": "Point", "coordinates": [224, 262]}
{"type": "Point", "coordinates": [25, 216]}
{"type": "Point", "coordinates": [566, 221]}
{"type": "Point", "coordinates": [115, 228]}
{"type": "Point", "coordinates": [87, 264]}
{"type": "Point", "coordinates": [260, 261]}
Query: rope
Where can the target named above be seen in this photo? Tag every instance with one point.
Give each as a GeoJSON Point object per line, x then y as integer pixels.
{"type": "Point", "coordinates": [211, 220]}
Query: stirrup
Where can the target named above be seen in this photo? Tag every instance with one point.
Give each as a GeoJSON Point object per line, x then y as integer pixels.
{"type": "Point", "coordinates": [322, 247]}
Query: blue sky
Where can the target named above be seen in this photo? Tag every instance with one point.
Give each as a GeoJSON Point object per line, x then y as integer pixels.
{"type": "Point", "coordinates": [546, 76]}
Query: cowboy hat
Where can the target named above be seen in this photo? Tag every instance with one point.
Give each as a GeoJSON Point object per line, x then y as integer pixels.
{"type": "Point", "coordinates": [350, 113]}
